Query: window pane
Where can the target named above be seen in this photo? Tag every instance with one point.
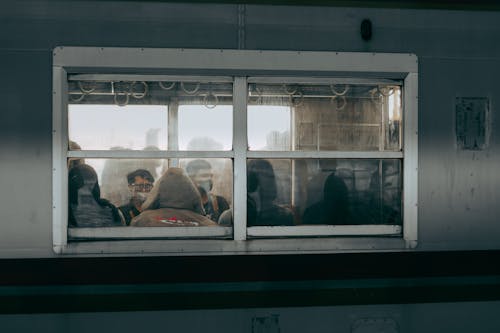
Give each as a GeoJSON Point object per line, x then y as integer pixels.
{"type": "Point", "coordinates": [269, 127]}
{"type": "Point", "coordinates": [151, 192]}
{"type": "Point", "coordinates": [108, 127]}
{"type": "Point", "coordinates": [324, 191]}
{"type": "Point", "coordinates": [324, 117]}
{"type": "Point", "coordinates": [135, 115]}
{"type": "Point", "coordinates": [202, 128]}
{"type": "Point", "coordinates": [214, 179]}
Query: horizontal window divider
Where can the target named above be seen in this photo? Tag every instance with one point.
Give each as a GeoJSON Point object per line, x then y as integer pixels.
{"type": "Point", "coordinates": [149, 232]}
{"type": "Point", "coordinates": [150, 78]}
{"type": "Point", "coordinates": [324, 230]}
{"type": "Point", "coordinates": [349, 125]}
{"type": "Point", "coordinates": [98, 58]}
{"type": "Point", "coordinates": [324, 154]}
{"type": "Point", "coordinates": [185, 247]}
{"type": "Point", "coordinates": [322, 81]}
{"type": "Point", "coordinates": [159, 154]}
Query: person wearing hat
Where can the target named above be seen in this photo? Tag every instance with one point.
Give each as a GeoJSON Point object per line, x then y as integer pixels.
{"type": "Point", "coordinates": [174, 201]}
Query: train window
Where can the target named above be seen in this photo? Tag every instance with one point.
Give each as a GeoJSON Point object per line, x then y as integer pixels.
{"type": "Point", "coordinates": [351, 192]}
{"type": "Point", "coordinates": [206, 151]}
{"type": "Point", "coordinates": [325, 117]}
{"type": "Point", "coordinates": [115, 127]}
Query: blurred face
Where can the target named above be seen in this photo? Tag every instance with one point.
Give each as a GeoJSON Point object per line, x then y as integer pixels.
{"type": "Point", "coordinates": [203, 178]}
{"type": "Point", "coordinates": [140, 188]}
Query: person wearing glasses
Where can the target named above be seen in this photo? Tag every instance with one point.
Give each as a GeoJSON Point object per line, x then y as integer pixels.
{"type": "Point", "coordinates": [140, 183]}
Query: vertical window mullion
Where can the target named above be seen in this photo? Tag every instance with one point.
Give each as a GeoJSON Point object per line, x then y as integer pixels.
{"type": "Point", "coordinates": [173, 129]}
{"type": "Point", "coordinates": [410, 160]}
{"type": "Point", "coordinates": [240, 145]}
{"type": "Point", "coordinates": [59, 159]}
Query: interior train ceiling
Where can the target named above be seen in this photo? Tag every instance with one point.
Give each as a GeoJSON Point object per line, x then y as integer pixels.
{"type": "Point", "coordinates": [410, 4]}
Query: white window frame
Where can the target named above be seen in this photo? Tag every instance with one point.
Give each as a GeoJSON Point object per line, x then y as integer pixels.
{"type": "Point", "coordinates": [268, 66]}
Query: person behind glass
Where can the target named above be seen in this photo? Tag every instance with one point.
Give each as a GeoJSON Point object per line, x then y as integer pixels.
{"type": "Point", "coordinates": [334, 208]}
{"type": "Point", "coordinates": [200, 172]}
{"type": "Point", "coordinates": [86, 207]}
{"type": "Point", "coordinates": [174, 201]}
{"type": "Point", "coordinates": [262, 192]}
{"type": "Point", "coordinates": [72, 162]}
{"type": "Point", "coordinates": [140, 183]}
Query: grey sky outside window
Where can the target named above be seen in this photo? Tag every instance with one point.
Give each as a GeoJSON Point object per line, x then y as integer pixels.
{"type": "Point", "coordinates": [205, 129]}
{"type": "Point", "coordinates": [113, 127]}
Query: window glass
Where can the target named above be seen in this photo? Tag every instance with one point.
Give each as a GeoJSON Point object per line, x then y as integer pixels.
{"type": "Point", "coordinates": [324, 191]}
{"type": "Point", "coordinates": [148, 192]}
{"type": "Point", "coordinates": [214, 179]}
{"type": "Point", "coordinates": [202, 128]}
{"type": "Point", "coordinates": [109, 115]}
{"type": "Point", "coordinates": [269, 127]}
{"type": "Point", "coordinates": [108, 127]}
{"type": "Point", "coordinates": [324, 117]}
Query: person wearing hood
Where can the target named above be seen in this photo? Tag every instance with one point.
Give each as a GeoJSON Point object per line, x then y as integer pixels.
{"type": "Point", "coordinates": [262, 192]}
{"type": "Point", "coordinates": [140, 183]}
{"type": "Point", "coordinates": [174, 201]}
{"type": "Point", "coordinates": [334, 208]}
{"type": "Point", "coordinates": [86, 207]}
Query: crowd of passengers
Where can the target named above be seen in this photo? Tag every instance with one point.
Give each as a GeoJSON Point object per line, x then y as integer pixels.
{"type": "Point", "coordinates": [184, 197]}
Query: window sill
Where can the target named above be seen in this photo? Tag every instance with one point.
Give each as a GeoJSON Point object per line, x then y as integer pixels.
{"type": "Point", "coordinates": [230, 247]}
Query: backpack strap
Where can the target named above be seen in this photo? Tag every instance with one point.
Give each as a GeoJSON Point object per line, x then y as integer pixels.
{"type": "Point", "coordinates": [215, 203]}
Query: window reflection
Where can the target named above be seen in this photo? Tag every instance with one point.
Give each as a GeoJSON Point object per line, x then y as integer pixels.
{"type": "Point", "coordinates": [324, 191]}
{"type": "Point", "coordinates": [86, 206]}
{"type": "Point", "coordinates": [174, 202]}
{"type": "Point", "coordinates": [149, 192]}
{"type": "Point", "coordinates": [324, 117]}
{"type": "Point", "coordinates": [263, 206]}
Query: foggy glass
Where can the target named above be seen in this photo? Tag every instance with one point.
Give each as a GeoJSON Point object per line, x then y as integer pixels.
{"type": "Point", "coordinates": [112, 175]}
{"type": "Point", "coordinates": [101, 195]}
{"type": "Point", "coordinates": [135, 115]}
{"type": "Point", "coordinates": [308, 117]}
{"type": "Point", "coordinates": [269, 127]}
{"type": "Point", "coordinates": [221, 173]}
{"type": "Point", "coordinates": [108, 127]}
{"type": "Point", "coordinates": [202, 128]}
{"type": "Point", "coordinates": [324, 191]}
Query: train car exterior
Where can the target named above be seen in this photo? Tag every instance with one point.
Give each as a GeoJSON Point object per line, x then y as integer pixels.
{"type": "Point", "coordinates": [414, 90]}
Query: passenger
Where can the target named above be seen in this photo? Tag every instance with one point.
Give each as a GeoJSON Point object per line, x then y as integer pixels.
{"type": "Point", "coordinates": [174, 201]}
{"type": "Point", "coordinates": [317, 182]}
{"type": "Point", "coordinates": [226, 218]}
{"type": "Point", "coordinates": [200, 172]}
{"type": "Point", "coordinates": [140, 183]}
{"type": "Point", "coordinates": [334, 208]}
{"type": "Point", "coordinates": [114, 186]}
{"type": "Point", "coordinates": [86, 207]}
{"type": "Point", "coordinates": [72, 162]}
{"type": "Point", "coordinates": [262, 192]}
